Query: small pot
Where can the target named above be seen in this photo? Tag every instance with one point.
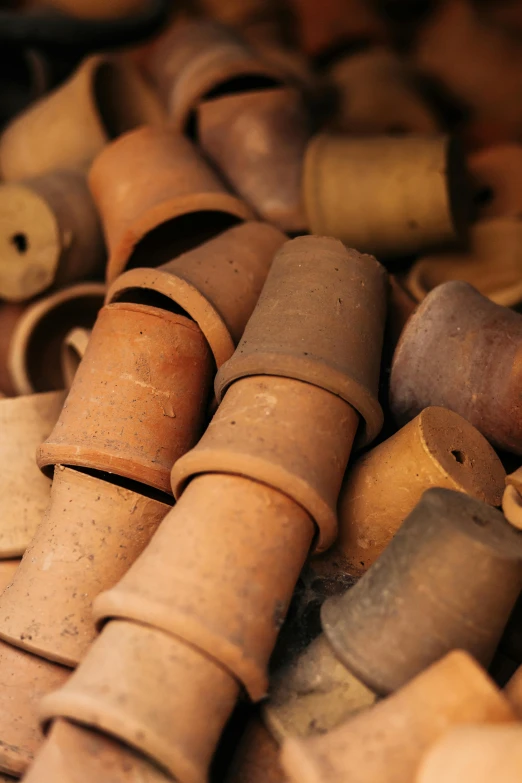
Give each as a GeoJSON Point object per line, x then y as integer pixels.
{"type": "Point", "coordinates": [68, 127]}
{"type": "Point", "coordinates": [267, 173]}
{"type": "Point", "coordinates": [497, 174]}
{"type": "Point", "coordinates": [138, 399]}
{"type": "Point", "coordinates": [319, 319]}
{"type": "Point", "coordinates": [153, 692]}
{"type": "Point", "coordinates": [34, 359]}
{"type": "Point", "coordinates": [25, 422]}
{"type": "Point", "coordinates": [52, 234]}
{"type": "Point", "coordinates": [73, 349]}
{"type": "Point", "coordinates": [423, 201]}
{"type": "Point", "coordinates": [461, 351]}
{"type": "Point", "coordinates": [217, 283]}
{"type": "Point", "coordinates": [157, 198]}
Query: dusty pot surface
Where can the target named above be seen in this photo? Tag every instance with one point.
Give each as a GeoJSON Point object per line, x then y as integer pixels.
{"type": "Point", "coordinates": [461, 351]}
{"type": "Point", "coordinates": [25, 422]}
{"type": "Point", "coordinates": [158, 197]}
{"type": "Point", "coordinates": [92, 532]}
{"type": "Point", "coordinates": [73, 349]}
{"type": "Point", "coordinates": [157, 368]}
{"type": "Point", "coordinates": [497, 174]}
{"type": "Point", "coordinates": [388, 741]}
{"type": "Point", "coordinates": [67, 128]}
{"type": "Point", "coordinates": [217, 283]}
{"type": "Point", "coordinates": [153, 692]}
{"type": "Point", "coordinates": [10, 314]}
{"type": "Point", "coordinates": [319, 319]}
{"type": "Point", "coordinates": [455, 570]}
{"type": "Point", "coordinates": [424, 200]}
{"type": "Point", "coordinates": [34, 358]}
{"type": "Point", "coordinates": [290, 435]}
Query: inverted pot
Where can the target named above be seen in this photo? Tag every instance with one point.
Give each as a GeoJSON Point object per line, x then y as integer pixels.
{"type": "Point", "coordinates": [497, 174]}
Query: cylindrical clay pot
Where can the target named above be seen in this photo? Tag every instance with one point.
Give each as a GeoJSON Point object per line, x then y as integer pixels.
{"type": "Point", "coordinates": [217, 283]}
{"type": "Point", "coordinates": [461, 351]}
{"type": "Point", "coordinates": [421, 182]}
{"type": "Point", "coordinates": [158, 197]}
{"type": "Point", "coordinates": [138, 399]}
{"type": "Point", "coordinates": [497, 175]}
{"type": "Point", "coordinates": [51, 234]}
{"type": "Point", "coordinates": [73, 349]}
{"type": "Point", "coordinates": [67, 128]}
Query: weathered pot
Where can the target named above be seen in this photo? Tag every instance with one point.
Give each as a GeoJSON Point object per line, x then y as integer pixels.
{"type": "Point", "coordinates": [34, 359]}
{"type": "Point", "coordinates": [92, 532]}
{"type": "Point", "coordinates": [68, 127]}
{"type": "Point", "coordinates": [73, 349]}
{"type": "Point", "coordinates": [217, 283]}
{"type": "Point", "coordinates": [497, 174]}
{"type": "Point", "coordinates": [138, 399]}
{"type": "Point", "coordinates": [158, 197]}
{"type": "Point", "coordinates": [319, 319]}
{"type": "Point", "coordinates": [51, 234]}
{"type": "Point", "coordinates": [267, 173]}
{"type": "Point", "coordinates": [153, 692]}
{"type": "Point", "coordinates": [461, 351]}
{"type": "Point", "coordinates": [10, 314]}
{"type": "Point", "coordinates": [421, 180]}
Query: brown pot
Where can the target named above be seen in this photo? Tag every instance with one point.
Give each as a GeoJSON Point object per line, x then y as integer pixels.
{"type": "Point", "coordinates": [421, 180]}
{"type": "Point", "coordinates": [319, 319]}
{"type": "Point", "coordinates": [217, 283]}
{"type": "Point", "coordinates": [257, 140]}
{"type": "Point", "coordinates": [67, 128]}
{"type": "Point", "coordinates": [387, 742]}
{"type": "Point", "coordinates": [326, 26]}
{"type": "Point", "coordinates": [97, 9]}
{"type": "Point", "coordinates": [138, 399]}
{"type": "Point", "coordinates": [153, 692]}
{"type": "Point", "coordinates": [460, 351]}
{"type": "Point", "coordinates": [10, 314]}
{"type": "Point", "coordinates": [157, 197]}
{"type": "Point", "coordinates": [34, 359]}
{"type": "Point", "coordinates": [73, 349]}
{"type": "Point", "coordinates": [92, 532]}
{"type": "Point", "coordinates": [25, 422]}
{"type": "Point", "coordinates": [290, 435]}
{"type": "Point", "coordinates": [497, 174]}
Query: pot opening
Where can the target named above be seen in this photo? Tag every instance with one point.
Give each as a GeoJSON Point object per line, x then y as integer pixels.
{"type": "Point", "coordinates": [118, 99]}
{"type": "Point", "coordinates": [248, 82]}
{"type": "Point", "coordinates": [146, 296]}
{"type": "Point", "coordinates": [125, 483]}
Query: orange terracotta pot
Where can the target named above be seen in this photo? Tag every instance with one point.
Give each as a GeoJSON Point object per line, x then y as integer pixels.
{"type": "Point", "coordinates": [319, 319]}
{"type": "Point", "coordinates": [157, 368]}
{"type": "Point", "coordinates": [217, 284]}
{"type": "Point", "coordinates": [73, 349]}
{"type": "Point", "coordinates": [497, 174]}
{"type": "Point", "coordinates": [7, 572]}
{"type": "Point", "coordinates": [10, 314]}
{"type": "Point", "coordinates": [34, 359]}
{"type": "Point", "coordinates": [153, 692]}
{"type": "Point", "coordinates": [67, 128]}
{"type": "Point", "coordinates": [158, 197]}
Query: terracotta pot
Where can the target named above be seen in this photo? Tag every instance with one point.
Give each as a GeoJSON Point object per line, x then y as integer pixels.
{"type": "Point", "coordinates": [421, 181]}
{"type": "Point", "coordinates": [10, 314]}
{"type": "Point", "coordinates": [290, 435]}
{"type": "Point", "coordinates": [267, 173]}
{"type": "Point", "coordinates": [157, 198]}
{"type": "Point", "coordinates": [497, 174]}
{"type": "Point", "coordinates": [157, 367]}
{"type": "Point", "coordinates": [388, 741]}
{"type": "Point", "coordinates": [34, 359]}
{"type": "Point", "coordinates": [256, 759]}
{"type": "Point", "coordinates": [52, 234]}
{"type": "Point", "coordinates": [401, 306]}
{"type": "Point", "coordinates": [153, 692]}
{"type": "Point", "coordinates": [7, 572]}
{"type": "Point", "coordinates": [513, 691]}
{"type": "Point", "coordinates": [24, 423]}
{"type": "Point", "coordinates": [460, 351]}
{"type": "Point", "coordinates": [25, 680]}
{"type": "Point", "coordinates": [512, 499]}
{"type": "Point", "coordinates": [492, 264]}
{"type": "Point", "coordinates": [65, 129]}
{"type": "Point", "coordinates": [303, 326]}
{"type": "Point", "coordinates": [325, 26]}
{"type": "Point", "coordinates": [243, 14]}
{"type": "Point", "coordinates": [91, 533]}
{"type": "Point", "coordinates": [73, 349]}
{"type": "Point", "coordinates": [217, 284]}
{"type": "Point", "coordinates": [454, 567]}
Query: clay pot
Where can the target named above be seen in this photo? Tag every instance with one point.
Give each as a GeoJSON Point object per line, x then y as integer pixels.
{"type": "Point", "coordinates": [325, 26]}
{"type": "Point", "coordinates": [267, 173]}
{"type": "Point", "coordinates": [153, 692]}
{"type": "Point", "coordinates": [292, 436]}
{"type": "Point", "coordinates": [319, 319]}
{"type": "Point", "coordinates": [10, 314]}
{"type": "Point", "coordinates": [73, 349]}
{"type": "Point", "coordinates": [455, 569]}
{"type": "Point", "coordinates": [244, 14]}
{"type": "Point", "coordinates": [24, 423]}
{"type": "Point", "coordinates": [492, 264]}
{"type": "Point", "coordinates": [217, 283]}
{"type": "Point", "coordinates": [157, 369]}
{"type": "Point", "coordinates": [7, 572]}
{"type": "Point", "coordinates": [87, 9]}
{"type": "Point", "coordinates": [67, 128]}
{"type": "Point", "coordinates": [512, 499]}
{"type": "Point", "coordinates": [52, 234]}
{"type": "Point", "coordinates": [256, 759]}
{"type": "Point", "coordinates": [421, 180]}
{"type": "Point", "coordinates": [388, 741]}
{"type": "Point", "coordinates": [497, 174]}
{"type": "Point", "coordinates": [460, 351]}
{"type": "Point", "coordinates": [157, 198]}
{"type": "Point", "coordinates": [91, 533]}
{"type": "Point", "coordinates": [513, 691]}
